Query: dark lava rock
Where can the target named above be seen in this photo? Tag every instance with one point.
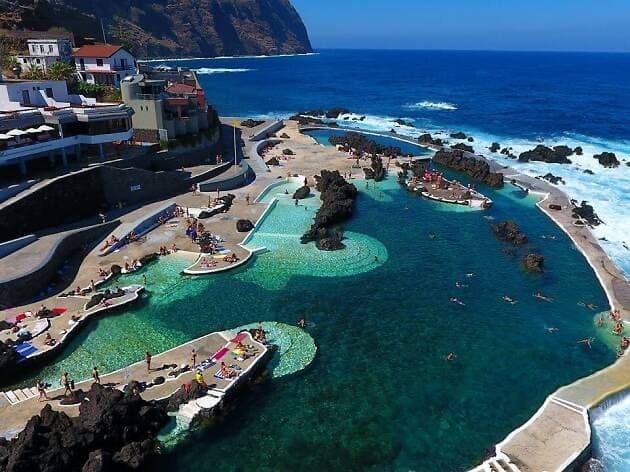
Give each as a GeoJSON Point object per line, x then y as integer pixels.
{"type": "Point", "coordinates": [302, 193]}
{"type": "Point", "coordinates": [589, 172]}
{"type": "Point", "coordinates": [587, 213]}
{"type": "Point", "coordinates": [251, 123]}
{"type": "Point", "coordinates": [285, 136]}
{"type": "Point", "coordinates": [148, 258]}
{"type": "Point", "coordinates": [8, 360]}
{"type": "Point", "coordinates": [376, 172]}
{"type": "Point", "coordinates": [244, 226]}
{"type": "Point", "coordinates": [607, 159]}
{"type": "Point", "coordinates": [533, 262]}
{"type": "Point", "coordinates": [509, 232]}
{"type": "Point", "coordinates": [308, 120]}
{"type": "Point", "coordinates": [427, 140]}
{"type": "Point", "coordinates": [554, 179]}
{"type": "Point", "coordinates": [108, 422]}
{"type": "Point", "coordinates": [402, 122]}
{"type": "Point", "coordinates": [115, 270]}
{"type": "Point", "coordinates": [555, 207]}
{"type": "Point", "coordinates": [578, 151]}
{"type": "Point", "coordinates": [338, 198]}
{"type": "Point", "coordinates": [185, 394]}
{"type": "Point", "coordinates": [273, 162]}
{"type": "Point", "coordinates": [463, 147]}
{"type": "Point", "coordinates": [557, 155]}
{"type": "Point", "coordinates": [495, 147]}
{"type": "Point", "coordinates": [469, 165]}
{"type": "Point", "coordinates": [95, 300]}
{"type": "Point", "coordinates": [458, 135]}
{"type": "Point", "coordinates": [334, 113]}
{"type": "Point", "coordinates": [470, 139]}
{"type": "Point", "coordinates": [363, 145]}
{"type": "Point", "coordinates": [99, 461]}
{"type": "Point", "coordinates": [330, 244]}
{"type": "Point", "coordinates": [288, 152]}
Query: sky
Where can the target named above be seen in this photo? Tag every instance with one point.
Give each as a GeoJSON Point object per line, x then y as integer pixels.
{"type": "Point", "coordinates": [517, 25]}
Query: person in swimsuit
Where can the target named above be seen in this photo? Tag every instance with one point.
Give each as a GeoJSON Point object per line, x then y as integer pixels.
{"type": "Point", "coordinates": [65, 382]}
{"type": "Point", "coordinates": [41, 389]}
{"type": "Point", "coordinates": [96, 376]}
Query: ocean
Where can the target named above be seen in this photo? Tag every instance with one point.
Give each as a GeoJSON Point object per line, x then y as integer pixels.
{"type": "Point", "coordinates": [519, 99]}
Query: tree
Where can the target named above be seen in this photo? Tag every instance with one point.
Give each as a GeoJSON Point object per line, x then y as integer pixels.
{"type": "Point", "coordinates": [60, 71]}
{"type": "Point", "coordinates": [11, 66]}
{"type": "Point", "coordinates": [34, 73]}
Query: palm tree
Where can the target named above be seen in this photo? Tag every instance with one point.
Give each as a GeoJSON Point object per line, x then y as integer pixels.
{"type": "Point", "coordinates": [60, 71]}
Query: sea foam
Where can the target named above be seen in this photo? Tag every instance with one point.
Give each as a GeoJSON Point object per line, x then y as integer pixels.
{"type": "Point", "coordinates": [442, 106]}
{"type": "Point", "coordinates": [219, 70]}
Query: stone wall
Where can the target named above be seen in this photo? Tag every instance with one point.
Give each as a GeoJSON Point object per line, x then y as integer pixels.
{"type": "Point", "coordinates": [26, 287]}
{"type": "Point", "coordinates": [64, 200]}
{"type": "Point", "coordinates": [146, 135]}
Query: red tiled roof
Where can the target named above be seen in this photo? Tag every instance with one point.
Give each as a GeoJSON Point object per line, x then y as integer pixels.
{"type": "Point", "coordinates": [180, 88]}
{"type": "Point", "coordinates": [97, 50]}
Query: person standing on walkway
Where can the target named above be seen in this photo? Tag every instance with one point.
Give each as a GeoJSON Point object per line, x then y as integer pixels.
{"type": "Point", "coordinates": [193, 358]}
{"type": "Point", "coordinates": [147, 359]}
{"type": "Point", "coordinates": [65, 382]}
{"type": "Point", "coordinates": [247, 199]}
{"type": "Point", "coordinates": [96, 376]}
{"type": "Point", "coordinates": [42, 391]}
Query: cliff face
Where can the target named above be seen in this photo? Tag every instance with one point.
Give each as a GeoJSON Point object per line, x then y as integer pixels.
{"type": "Point", "coordinates": [170, 28]}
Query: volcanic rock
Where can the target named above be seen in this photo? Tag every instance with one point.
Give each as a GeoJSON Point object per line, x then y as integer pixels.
{"type": "Point", "coordinates": [335, 113]}
{"type": "Point", "coordinates": [251, 123]}
{"type": "Point", "coordinates": [273, 162]}
{"type": "Point", "coordinates": [555, 207]}
{"type": "Point", "coordinates": [607, 159]}
{"type": "Point", "coordinates": [587, 213]}
{"type": "Point", "coordinates": [554, 179]}
{"type": "Point", "coordinates": [578, 151]}
{"type": "Point", "coordinates": [495, 147]}
{"type": "Point", "coordinates": [557, 155]}
{"type": "Point", "coordinates": [471, 166]}
{"type": "Point", "coordinates": [288, 152]}
{"type": "Point", "coordinates": [458, 135]}
{"type": "Point", "coordinates": [244, 226]}
{"type": "Point", "coordinates": [302, 193]}
{"type": "Point", "coordinates": [463, 147]}
{"type": "Point", "coordinates": [402, 122]}
{"type": "Point", "coordinates": [533, 262]}
{"type": "Point", "coordinates": [426, 140]}
{"type": "Point", "coordinates": [509, 232]}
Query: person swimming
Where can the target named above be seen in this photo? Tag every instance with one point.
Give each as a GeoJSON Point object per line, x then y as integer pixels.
{"type": "Point", "coordinates": [457, 301]}
{"type": "Point", "coordinates": [552, 329]}
{"type": "Point", "coordinates": [451, 356]}
{"type": "Point", "coordinates": [460, 285]}
{"type": "Point", "coordinates": [545, 298]}
{"type": "Point", "coordinates": [587, 342]}
{"type": "Point", "coordinates": [509, 299]}
{"type": "Point", "coordinates": [470, 275]}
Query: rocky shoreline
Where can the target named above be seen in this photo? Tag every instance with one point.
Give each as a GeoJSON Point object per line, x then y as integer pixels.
{"type": "Point", "coordinates": [462, 161]}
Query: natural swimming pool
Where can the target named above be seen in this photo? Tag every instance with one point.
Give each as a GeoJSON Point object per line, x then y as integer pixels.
{"type": "Point", "coordinates": [379, 393]}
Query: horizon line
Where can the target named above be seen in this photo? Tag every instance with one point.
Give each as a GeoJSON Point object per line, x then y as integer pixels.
{"type": "Point", "coordinates": [560, 51]}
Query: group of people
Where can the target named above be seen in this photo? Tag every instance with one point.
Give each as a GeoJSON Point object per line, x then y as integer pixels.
{"type": "Point", "coordinates": [66, 383]}
{"type": "Point", "coordinates": [164, 251]}
{"type": "Point", "coordinates": [194, 228]}
{"type": "Point", "coordinates": [112, 241]}
{"type": "Point", "coordinates": [133, 266]}
{"type": "Point", "coordinates": [260, 335]}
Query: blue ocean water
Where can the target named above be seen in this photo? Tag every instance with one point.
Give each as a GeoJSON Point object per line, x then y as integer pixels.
{"type": "Point", "coordinates": [518, 99]}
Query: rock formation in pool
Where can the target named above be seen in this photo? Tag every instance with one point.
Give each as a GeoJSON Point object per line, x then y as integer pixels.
{"type": "Point", "coordinates": [362, 145]}
{"type": "Point", "coordinates": [113, 428]}
{"type": "Point", "coordinates": [607, 159]}
{"type": "Point", "coordinates": [475, 168]}
{"type": "Point", "coordinates": [302, 193]}
{"type": "Point", "coordinates": [557, 155]}
{"type": "Point", "coordinates": [244, 226]}
{"type": "Point", "coordinates": [338, 198]}
{"type": "Point", "coordinates": [509, 232]}
{"type": "Point", "coordinates": [376, 171]}
{"type": "Point", "coordinates": [533, 262]}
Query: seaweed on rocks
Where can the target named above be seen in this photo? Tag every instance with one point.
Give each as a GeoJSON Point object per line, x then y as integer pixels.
{"type": "Point", "coordinates": [477, 169]}
{"type": "Point", "coordinates": [112, 428]}
{"type": "Point", "coordinates": [338, 198]}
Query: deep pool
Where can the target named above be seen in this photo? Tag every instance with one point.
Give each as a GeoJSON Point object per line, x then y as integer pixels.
{"type": "Point", "coordinates": [379, 394]}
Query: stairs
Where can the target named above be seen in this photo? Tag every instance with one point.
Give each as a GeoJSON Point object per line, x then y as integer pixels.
{"type": "Point", "coordinates": [498, 463]}
{"type": "Point", "coordinates": [20, 394]}
{"type": "Point", "coordinates": [189, 411]}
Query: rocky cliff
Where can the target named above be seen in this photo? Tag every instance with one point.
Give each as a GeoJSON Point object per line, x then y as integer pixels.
{"type": "Point", "coordinates": [169, 28]}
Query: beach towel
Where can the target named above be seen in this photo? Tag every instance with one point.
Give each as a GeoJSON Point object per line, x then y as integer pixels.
{"type": "Point", "coordinates": [59, 311]}
{"type": "Point", "coordinates": [25, 349]}
{"type": "Point", "coordinates": [20, 317]}
{"type": "Point", "coordinates": [239, 338]}
{"type": "Point", "coordinates": [220, 354]}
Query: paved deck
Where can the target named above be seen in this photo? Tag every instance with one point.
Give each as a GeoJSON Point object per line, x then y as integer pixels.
{"type": "Point", "coordinates": [13, 417]}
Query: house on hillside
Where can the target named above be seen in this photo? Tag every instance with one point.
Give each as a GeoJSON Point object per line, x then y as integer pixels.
{"type": "Point", "coordinates": [167, 104]}
{"type": "Point", "coordinates": [104, 64]}
{"type": "Point", "coordinates": [44, 52]}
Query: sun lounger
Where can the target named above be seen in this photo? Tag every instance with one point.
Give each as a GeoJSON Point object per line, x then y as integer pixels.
{"type": "Point", "coordinates": [25, 349]}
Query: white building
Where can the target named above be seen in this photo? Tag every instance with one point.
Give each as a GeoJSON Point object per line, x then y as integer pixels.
{"type": "Point", "coordinates": [44, 52]}
{"type": "Point", "coordinates": [104, 64]}
{"type": "Point", "coordinates": [40, 119]}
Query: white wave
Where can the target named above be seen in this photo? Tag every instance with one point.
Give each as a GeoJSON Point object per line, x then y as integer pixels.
{"type": "Point", "coordinates": [219, 70]}
{"type": "Point", "coordinates": [442, 106]}
{"type": "Point", "coordinates": [184, 59]}
{"type": "Point", "coordinates": [612, 435]}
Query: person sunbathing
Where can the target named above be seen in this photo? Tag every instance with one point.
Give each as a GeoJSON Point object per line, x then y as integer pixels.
{"type": "Point", "coordinates": [227, 372]}
{"type": "Point", "coordinates": [49, 341]}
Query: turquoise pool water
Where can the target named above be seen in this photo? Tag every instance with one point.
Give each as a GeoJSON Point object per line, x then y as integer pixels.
{"type": "Point", "coordinates": [379, 394]}
{"type": "Point", "coordinates": [322, 136]}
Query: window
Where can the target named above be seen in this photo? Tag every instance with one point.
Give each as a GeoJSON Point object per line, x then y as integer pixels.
{"type": "Point", "coordinates": [49, 92]}
{"type": "Point", "coordinates": [99, 62]}
{"type": "Point", "coordinates": [50, 48]}
{"type": "Point", "coordinates": [41, 48]}
{"type": "Point", "coordinates": [26, 98]}
{"type": "Point", "coordinates": [37, 60]}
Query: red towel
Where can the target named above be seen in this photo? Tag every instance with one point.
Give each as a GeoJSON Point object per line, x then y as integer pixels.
{"type": "Point", "coordinates": [59, 311]}
{"type": "Point", "coordinates": [239, 337]}
{"type": "Point", "coordinates": [20, 317]}
{"type": "Point", "coordinates": [220, 354]}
